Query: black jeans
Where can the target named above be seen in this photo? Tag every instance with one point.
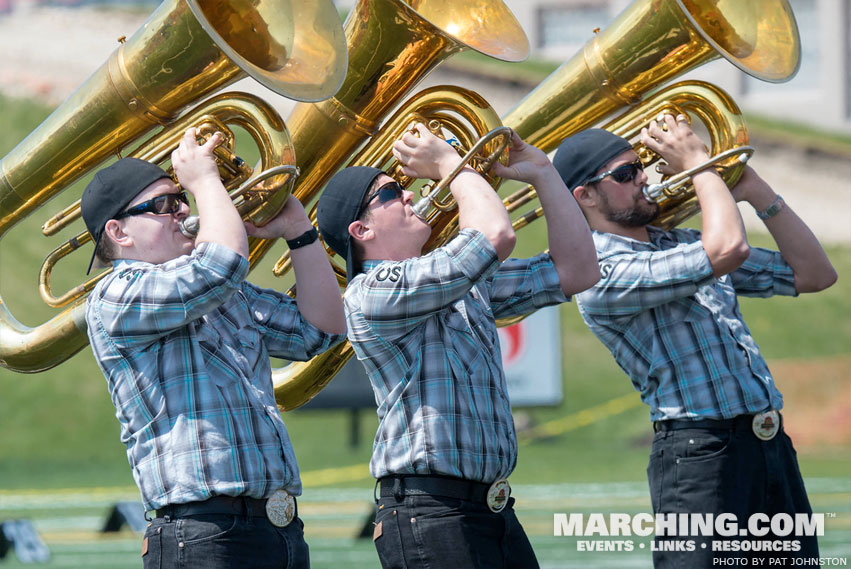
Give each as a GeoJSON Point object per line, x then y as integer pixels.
{"type": "Point", "coordinates": [214, 541]}
{"type": "Point", "coordinates": [438, 532]}
{"type": "Point", "coordinates": [709, 471]}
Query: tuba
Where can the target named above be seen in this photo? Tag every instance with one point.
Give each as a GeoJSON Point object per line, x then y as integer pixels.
{"type": "Point", "coordinates": [474, 128]}
{"type": "Point", "coordinates": [393, 45]}
{"type": "Point", "coordinates": [185, 51]}
{"type": "Point", "coordinates": [649, 43]}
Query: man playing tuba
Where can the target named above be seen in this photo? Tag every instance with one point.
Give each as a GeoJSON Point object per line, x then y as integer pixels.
{"type": "Point", "coordinates": [184, 342]}
{"type": "Point", "coordinates": [666, 307]}
{"type": "Point", "coordinates": [423, 325]}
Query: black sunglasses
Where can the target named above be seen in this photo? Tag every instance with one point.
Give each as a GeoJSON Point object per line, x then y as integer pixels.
{"type": "Point", "coordinates": [387, 192]}
{"type": "Point", "coordinates": [622, 174]}
{"type": "Point", "coordinates": [160, 205]}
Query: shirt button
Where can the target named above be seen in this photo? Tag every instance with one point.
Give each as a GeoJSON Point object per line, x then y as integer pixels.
{"type": "Point", "coordinates": [180, 545]}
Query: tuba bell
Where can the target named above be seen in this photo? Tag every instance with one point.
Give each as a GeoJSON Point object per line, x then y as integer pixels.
{"type": "Point", "coordinates": [648, 44]}
{"type": "Point", "coordinates": [185, 51]}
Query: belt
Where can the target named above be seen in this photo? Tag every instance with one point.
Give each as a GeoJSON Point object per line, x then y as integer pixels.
{"type": "Point", "coordinates": [457, 488]}
{"type": "Point", "coordinates": [221, 505]}
{"type": "Point", "coordinates": [742, 422]}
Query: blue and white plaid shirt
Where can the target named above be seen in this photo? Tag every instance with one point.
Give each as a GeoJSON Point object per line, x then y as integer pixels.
{"type": "Point", "coordinates": [185, 350]}
{"type": "Point", "coordinates": [424, 329]}
{"type": "Point", "coordinates": [676, 330]}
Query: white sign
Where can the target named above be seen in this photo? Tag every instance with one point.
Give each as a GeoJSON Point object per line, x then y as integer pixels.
{"type": "Point", "coordinates": [531, 356]}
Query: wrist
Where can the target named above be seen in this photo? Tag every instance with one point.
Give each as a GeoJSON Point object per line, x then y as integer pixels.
{"type": "Point", "coordinates": [304, 239]}
{"type": "Point", "coordinates": [771, 210]}
{"type": "Point", "coordinates": [294, 230]}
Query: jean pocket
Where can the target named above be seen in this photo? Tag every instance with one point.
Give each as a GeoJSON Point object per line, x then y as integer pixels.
{"type": "Point", "coordinates": [697, 446]}
{"type": "Point", "coordinates": [199, 529]}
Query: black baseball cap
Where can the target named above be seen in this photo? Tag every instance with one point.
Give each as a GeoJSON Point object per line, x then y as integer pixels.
{"type": "Point", "coordinates": [111, 191]}
{"type": "Point", "coordinates": [580, 156]}
{"type": "Point", "coordinates": [338, 207]}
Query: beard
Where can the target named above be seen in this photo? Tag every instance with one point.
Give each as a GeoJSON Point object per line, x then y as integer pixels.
{"type": "Point", "coordinates": [641, 214]}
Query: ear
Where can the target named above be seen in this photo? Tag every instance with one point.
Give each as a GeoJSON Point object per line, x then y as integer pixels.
{"type": "Point", "coordinates": [585, 197]}
{"type": "Point", "coordinates": [360, 231]}
{"type": "Point", "coordinates": [114, 230]}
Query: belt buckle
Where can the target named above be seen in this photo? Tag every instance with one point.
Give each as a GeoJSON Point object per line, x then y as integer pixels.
{"type": "Point", "coordinates": [766, 424]}
{"type": "Point", "coordinates": [280, 508]}
{"type": "Point", "coordinates": [498, 495]}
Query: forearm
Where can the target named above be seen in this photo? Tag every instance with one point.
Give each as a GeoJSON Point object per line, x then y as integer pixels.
{"type": "Point", "coordinates": [318, 293]}
{"type": "Point", "coordinates": [568, 235]}
{"type": "Point", "coordinates": [481, 208]}
{"type": "Point", "coordinates": [797, 244]}
{"type": "Point", "coordinates": [220, 222]}
{"type": "Point", "coordinates": [723, 231]}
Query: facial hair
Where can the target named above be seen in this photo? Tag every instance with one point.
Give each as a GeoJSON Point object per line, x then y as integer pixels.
{"type": "Point", "coordinates": [635, 216]}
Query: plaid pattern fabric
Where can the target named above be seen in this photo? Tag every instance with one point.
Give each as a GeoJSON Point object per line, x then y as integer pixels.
{"type": "Point", "coordinates": [676, 330]}
{"type": "Point", "coordinates": [424, 329]}
{"type": "Point", "coordinates": [185, 350]}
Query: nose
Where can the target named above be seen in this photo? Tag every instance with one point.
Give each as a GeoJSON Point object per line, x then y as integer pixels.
{"type": "Point", "coordinates": [407, 197]}
{"type": "Point", "coordinates": [182, 211]}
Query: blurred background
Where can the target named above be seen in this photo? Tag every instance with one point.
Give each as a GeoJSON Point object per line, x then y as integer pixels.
{"type": "Point", "coordinates": [584, 446]}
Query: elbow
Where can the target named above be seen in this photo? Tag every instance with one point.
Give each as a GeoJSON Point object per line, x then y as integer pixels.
{"type": "Point", "coordinates": [727, 259]}
{"type": "Point", "coordinates": [824, 279]}
{"type": "Point", "coordinates": [503, 241]}
{"type": "Point", "coordinates": [582, 279]}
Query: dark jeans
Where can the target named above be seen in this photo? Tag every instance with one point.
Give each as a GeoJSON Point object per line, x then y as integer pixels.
{"type": "Point", "coordinates": [710, 471]}
{"type": "Point", "coordinates": [436, 532]}
{"type": "Point", "coordinates": [214, 541]}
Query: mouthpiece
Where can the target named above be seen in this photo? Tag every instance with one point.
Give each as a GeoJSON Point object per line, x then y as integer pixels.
{"type": "Point", "coordinates": [189, 226]}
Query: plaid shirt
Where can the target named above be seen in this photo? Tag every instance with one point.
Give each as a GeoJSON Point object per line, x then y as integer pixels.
{"type": "Point", "coordinates": [185, 350]}
{"type": "Point", "coordinates": [676, 330]}
{"type": "Point", "coordinates": [424, 329]}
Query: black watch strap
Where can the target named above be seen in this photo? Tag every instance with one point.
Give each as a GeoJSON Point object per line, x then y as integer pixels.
{"type": "Point", "coordinates": [305, 238]}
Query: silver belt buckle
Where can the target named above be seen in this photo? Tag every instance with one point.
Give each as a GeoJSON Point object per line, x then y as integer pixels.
{"type": "Point", "coordinates": [765, 425]}
{"type": "Point", "coordinates": [498, 495]}
{"type": "Point", "coordinates": [280, 508]}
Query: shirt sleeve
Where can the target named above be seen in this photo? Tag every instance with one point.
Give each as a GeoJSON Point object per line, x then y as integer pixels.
{"type": "Point", "coordinates": [635, 281]}
{"type": "Point", "coordinates": [139, 303]}
{"type": "Point", "coordinates": [286, 333]}
{"type": "Point", "coordinates": [765, 273]}
{"type": "Point", "coordinates": [521, 286]}
{"type": "Point", "coordinates": [396, 296]}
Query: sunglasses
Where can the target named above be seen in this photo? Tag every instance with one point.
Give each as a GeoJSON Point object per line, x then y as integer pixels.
{"type": "Point", "coordinates": [622, 174]}
{"type": "Point", "coordinates": [387, 192]}
{"type": "Point", "coordinates": [160, 205]}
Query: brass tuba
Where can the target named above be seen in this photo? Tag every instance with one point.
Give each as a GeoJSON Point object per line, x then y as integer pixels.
{"type": "Point", "coordinates": [459, 114]}
{"type": "Point", "coordinates": [185, 51]}
{"type": "Point", "coordinates": [649, 43]}
{"type": "Point", "coordinates": [393, 45]}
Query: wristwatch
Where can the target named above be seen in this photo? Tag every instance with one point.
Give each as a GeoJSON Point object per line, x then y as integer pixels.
{"type": "Point", "coordinates": [305, 238]}
{"type": "Point", "coordinates": [771, 210]}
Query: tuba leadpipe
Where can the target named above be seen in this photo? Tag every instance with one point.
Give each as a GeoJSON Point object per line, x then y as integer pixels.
{"type": "Point", "coordinates": [185, 51]}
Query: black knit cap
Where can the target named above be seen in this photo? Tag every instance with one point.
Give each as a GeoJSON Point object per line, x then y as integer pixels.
{"type": "Point", "coordinates": [338, 207]}
{"type": "Point", "coordinates": [111, 191]}
{"type": "Point", "coordinates": [580, 156]}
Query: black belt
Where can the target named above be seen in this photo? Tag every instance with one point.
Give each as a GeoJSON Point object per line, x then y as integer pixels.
{"type": "Point", "coordinates": [742, 422]}
{"type": "Point", "coordinates": [220, 505]}
{"type": "Point", "coordinates": [434, 486]}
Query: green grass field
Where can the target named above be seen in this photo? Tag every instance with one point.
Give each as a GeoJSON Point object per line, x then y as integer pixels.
{"type": "Point", "coordinates": [62, 465]}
